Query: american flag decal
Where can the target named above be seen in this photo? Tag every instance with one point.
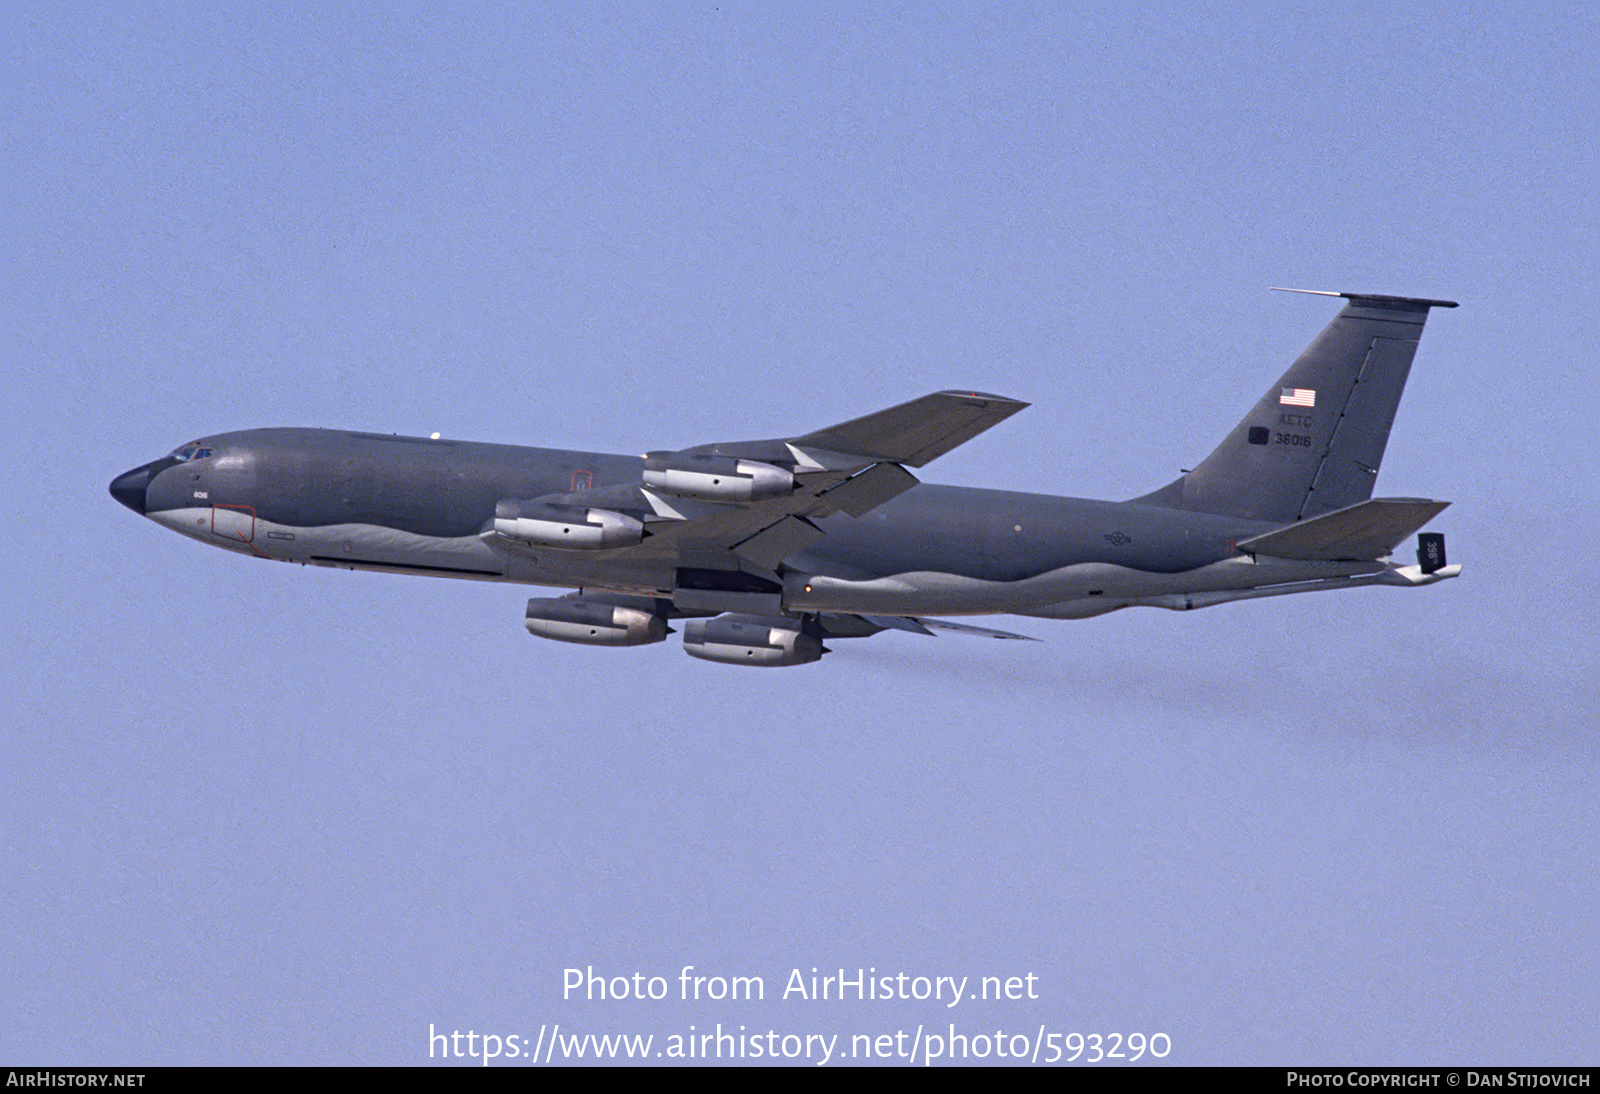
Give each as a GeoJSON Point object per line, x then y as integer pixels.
{"type": "Point", "coordinates": [1298, 396]}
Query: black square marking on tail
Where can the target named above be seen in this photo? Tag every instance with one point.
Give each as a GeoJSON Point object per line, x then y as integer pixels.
{"type": "Point", "coordinates": [1259, 434]}
{"type": "Point", "coordinates": [1430, 552]}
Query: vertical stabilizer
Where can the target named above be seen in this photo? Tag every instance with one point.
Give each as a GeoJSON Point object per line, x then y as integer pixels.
{"type": "Point", "coordinates": [1314, 442]}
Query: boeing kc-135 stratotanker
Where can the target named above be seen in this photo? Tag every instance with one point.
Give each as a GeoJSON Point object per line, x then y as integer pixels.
{"type": "Point", "coordinates": [768, 548]}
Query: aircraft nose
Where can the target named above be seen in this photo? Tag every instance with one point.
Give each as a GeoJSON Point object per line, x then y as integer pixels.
{"type": "Point", "coordinates": [130, 486]}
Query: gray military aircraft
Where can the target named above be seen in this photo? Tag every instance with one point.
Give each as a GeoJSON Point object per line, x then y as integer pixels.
{"type": "Point", "coordinates": [768, 548]}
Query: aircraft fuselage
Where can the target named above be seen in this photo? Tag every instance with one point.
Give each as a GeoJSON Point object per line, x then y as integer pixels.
{"type": "Point", "coordinates": [420, 505]}
{"type": "Point", "coordinates": [827, 534]}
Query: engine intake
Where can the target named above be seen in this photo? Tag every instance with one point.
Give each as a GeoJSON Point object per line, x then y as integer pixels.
{"type": "Point", "coordinates": [715, 478]}
{"type": "Point", "coordinates": [765, 641]}
{"type": "Point", "coordinates": [576, 527]}
{"type": "Point", "coordinates": [593, 623]}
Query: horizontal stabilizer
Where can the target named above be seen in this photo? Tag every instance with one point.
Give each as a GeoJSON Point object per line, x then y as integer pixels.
{"type": "Point", "coordinates": [915, 432]}
{"type": "Point", "coordinates": [1367, 530]}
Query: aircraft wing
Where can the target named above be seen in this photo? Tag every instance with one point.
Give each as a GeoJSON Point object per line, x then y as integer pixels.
{"type": "Point", "coordinates": [852, 467]}
{"type": "Point", "coordinates": [921, 624]}
{"type": "Point", "coordinates": [916, 432]}
{"type": "Point", "coordinates": [748, 505]}
{"type": "Point", "coordinates": [765, 532]}
{"type": "Point", "coordinates": [911, 434]}
{"type": "Point", "coordinates": [654, 531]}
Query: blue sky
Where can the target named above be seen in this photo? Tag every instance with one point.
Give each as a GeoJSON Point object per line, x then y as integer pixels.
{"type": "Point", "coordinates": [258, 814]}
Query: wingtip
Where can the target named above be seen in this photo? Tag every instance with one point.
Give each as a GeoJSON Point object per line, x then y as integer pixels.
{"type": "Point", "coordinates": [985, 396]}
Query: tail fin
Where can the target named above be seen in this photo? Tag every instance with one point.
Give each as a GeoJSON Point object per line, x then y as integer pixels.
{"type": "Point", "coordinates": [1314, 442]}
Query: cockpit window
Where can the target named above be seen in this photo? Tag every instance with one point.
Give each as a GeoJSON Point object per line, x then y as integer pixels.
{"type": "Point", "coordinates": [191, 451]}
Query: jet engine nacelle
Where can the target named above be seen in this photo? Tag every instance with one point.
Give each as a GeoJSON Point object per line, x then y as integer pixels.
{"type": "Point", "coordinates": [767, 641]}
{"type": "Point", "coordinates": [574, 619]}
{"type": "Point", "coordinates": [543, 524]}
{"type": "Point", "coordinates": [715, 478]}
